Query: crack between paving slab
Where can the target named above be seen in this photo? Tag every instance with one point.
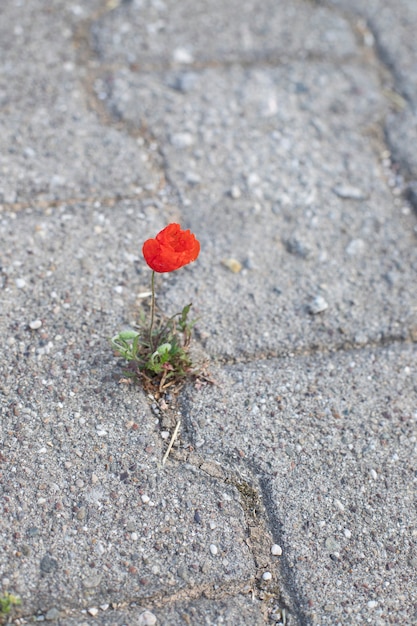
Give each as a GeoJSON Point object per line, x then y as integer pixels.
{"type": "Point", "coordinates": [348, 347]}
{"type": "Point", "coordinates": [107, 201]}
{"type": "Point", "coordinates": [91, 71]}
{"type": "Point", "coordinates": [86, 56]}
{"type": "Point", "coordinates": [272, 593]}
{"type": "Point", "coordinates": [259, 540]}
{"type": "Point", "coordinates": [261, 61]}
{"type": "Point", "coordinates": [279, 594]}
{"type": "Point", "coordinates": [385, 66]}
{"type": "Point", "coordinates": [263, 526]}
{"type": "Point", "coordinates": [376, 133]}
{"type": "Point", "coordinates": [209, 591]}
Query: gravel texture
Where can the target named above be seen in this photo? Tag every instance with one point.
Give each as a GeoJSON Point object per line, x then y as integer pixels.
{"type": "Point", "coordinates": [53, 144]}
{"type": "Point", "coordinates": [315, 217]}
{"type": "Point", "coordinates": [333, 440]}
{"type": "Point", "coordinates": [145, 34]}
{"type": "Point", "coordinates": [284, 135]}
{"type": "Point", "coordinates": [390, 28]}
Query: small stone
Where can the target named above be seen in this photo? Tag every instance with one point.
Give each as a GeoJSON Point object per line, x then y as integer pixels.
{"type": "Point", "coordinates": [347, 533]}
{"type": "Point", "coordinates": [249, 264]}
{"type": "Point", "coordinates": [349, 193]}
{"type": "Point", "coordinates": [20, 283]}
{"type": "Point", "coordinates": [213, 549]}
{"type": "Point", "coordinates": [52, 614]}
{"type": "Point", "coordinates": [99, 548]}
{"type": "Point", "coordinates": [266, 576]}
{"type": "Point", "coordinates": [373, 473]}
{"type": "Point", "coordinates": [332, 545]}
{"type": "Point", "coordinates": [253, 180]}
{"type": "Point", "coordinates": [164, 434]}
{"type": "Point", "coordinates": [295, 246]}
{"type": "Point", "coordinates": [233, 265]}
{"type": "Point", "coordinates": [318, 305]}
{"type": "Point", "coordinates": [372, 604]}
{"type": "Point", "coordinates": [339, 506]}
{"type": "Point", "coordinates": [81, 514]}
{"type": "Point", "coordinates": [235, 192]}
{"type": "Point", "coordinates": [147, 619]}
{"type": "Point", "coordinates": [93, 611]}
{"type": "Point", "coordinates": [192, 178]}
{"type": "Point", "coordinates": [355, 247]}
{"type": "Point", "coordinates": [183, 55]}
{"type": "Point", "coordinates": [92, 581]}
{"type": "Point", "coordinates": [183, 573]}
{"type": "Point", "coordinates": [276, 550]}
{"type": "Point", "coordinates": [35, 325]}
{"type": "Point", "coordinates": [185, 82]}
{"type": "Point", "coordinates": [145, 499]}
{"type": "Point", "coordinates": [104, 607]}
{"type": "Point", "coordinates": [134, 536]}
{"type": "Point", "coordinates": [182, 140]}
{"type": "Point", "coordinates": [48, 564]}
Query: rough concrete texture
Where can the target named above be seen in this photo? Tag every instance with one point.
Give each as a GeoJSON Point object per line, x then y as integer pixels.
{"type": "Point", "coordinates": [47, 121]}
{"type": "Point", "coordinates": [391, 28]}
{"type": "Point", "coordinates": [332, 441]}
{"type": "Point", "coordinates": [283, 134]}
{"type": "Point", "coordinates": [288, 146]}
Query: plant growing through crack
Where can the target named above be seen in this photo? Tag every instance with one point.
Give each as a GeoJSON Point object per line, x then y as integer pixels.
{"type": "Point", "coordinates": [7, 602]}
{"type": "Point", "coordinates": [159, 349]}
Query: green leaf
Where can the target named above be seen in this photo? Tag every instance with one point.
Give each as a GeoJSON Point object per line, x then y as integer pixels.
{"type": "Point", "coordinates": [163, 349]}
{"type": "Point", "coordinates": [127, 335]}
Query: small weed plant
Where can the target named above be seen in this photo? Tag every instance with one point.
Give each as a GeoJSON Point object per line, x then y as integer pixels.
{"type": "Point", "coordinates": [7, 602]}
{"type": "Point", "coordinates": [158, 352]}
{"type": "Point", "coordinates": [160, 355]}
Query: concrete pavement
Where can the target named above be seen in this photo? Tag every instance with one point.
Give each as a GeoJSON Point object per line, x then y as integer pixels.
{"type": "Point", "coordinates": [284, 136]}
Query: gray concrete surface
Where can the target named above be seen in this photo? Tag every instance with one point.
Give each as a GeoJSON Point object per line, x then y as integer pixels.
{"type": "Point", "coordinates": [284, 135]}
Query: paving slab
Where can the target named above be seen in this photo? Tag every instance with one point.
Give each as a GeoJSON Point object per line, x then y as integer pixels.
{"type": "Point", "coordinates": [390, 28]}
{"type": "Point", "coordinates": [276, 169]}
{"type": "Point", "coordinates": [89, 516]}
{"type": "Point", "coordinates": [332, 441]}
{"type": "Point", "coordinates": [53, 143]}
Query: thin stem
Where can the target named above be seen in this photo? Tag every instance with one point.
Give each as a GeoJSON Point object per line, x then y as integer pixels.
{"type": "Point", "coordinates": [152, 308]}
{"type": "Point", "coordinates": [171, 443]}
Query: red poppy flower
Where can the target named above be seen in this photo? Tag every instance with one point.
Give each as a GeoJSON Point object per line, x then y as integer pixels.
{"type": "Point", "coordinates": [171, 249]}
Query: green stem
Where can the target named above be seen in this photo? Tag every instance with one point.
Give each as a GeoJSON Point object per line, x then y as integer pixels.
{"type": "Point", "coordinates": [152, 308]}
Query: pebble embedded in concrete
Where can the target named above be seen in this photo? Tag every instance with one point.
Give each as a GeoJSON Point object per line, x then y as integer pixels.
{"type": "Point", "coordinates": [147, 619]}
{"type": "Point", "coordinates": [318, 305]}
